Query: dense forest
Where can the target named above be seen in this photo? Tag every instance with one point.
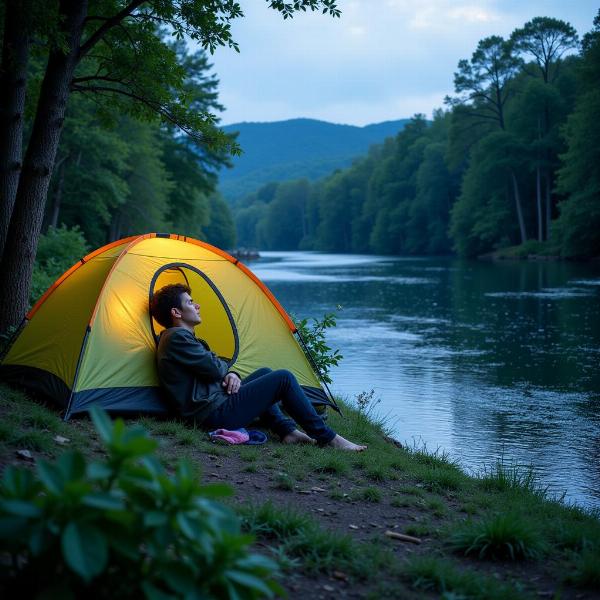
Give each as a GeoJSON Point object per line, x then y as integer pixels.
{"type": "Point", "coordinates": [117, 175]}
{"type": "Point", "coordinates": [295, 148]}
{"type": "Point", "coordinates": [512, 160]}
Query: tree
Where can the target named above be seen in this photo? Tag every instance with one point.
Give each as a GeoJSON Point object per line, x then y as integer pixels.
{"type": "Point", "coordinates": [115, 51]}
{"type": "Point", "coordinates": [578, 225]}
{"type": "Point", "coordinates": [220, 230]}
{"type": "Point", "coordinates": [484, 87]}
{"type": "Point", "coordinates": [545, 40]}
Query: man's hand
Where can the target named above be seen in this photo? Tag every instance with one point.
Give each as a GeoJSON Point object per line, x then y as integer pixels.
{"type": "Point", "coordinates": [231, 383]}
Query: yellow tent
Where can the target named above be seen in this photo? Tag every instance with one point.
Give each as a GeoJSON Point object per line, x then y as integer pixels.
{"type": "Point", "coordinates": [90, 338]}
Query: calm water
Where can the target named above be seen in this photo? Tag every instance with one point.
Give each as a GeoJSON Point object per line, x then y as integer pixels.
{"type": "Point", "coordinates": [485, 361]}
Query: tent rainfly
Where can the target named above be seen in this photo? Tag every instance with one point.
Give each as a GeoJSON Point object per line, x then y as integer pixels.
{"type": "Point", "coordinates": [90, 339]}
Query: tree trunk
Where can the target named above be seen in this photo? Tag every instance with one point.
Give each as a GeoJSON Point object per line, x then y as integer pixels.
{"type": "Point", "coordinates": [548, 202]}
{"type": "Point", "coordinates": [519, 209]}
{"type": "Point", "coordinates": [25, 225]}
{"type": "Point", "coordinates": [538, 193]}
{"type": "Point", "coordinates": [13, 79]}
{"type": "Point", "coordinates": [53, 222]}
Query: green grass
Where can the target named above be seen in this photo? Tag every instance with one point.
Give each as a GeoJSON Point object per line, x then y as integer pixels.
{"type": "Point", "coordinates": [419, 529]}
{"type": "Point", "coordinates": [284, 482]}
{"type": "Point", "coordinates": [319, 550]}
{"type": "Point", "coordinates": [368, 494]}
{"type": "Point", "coordinates": [408, 502]}
{"type": "Point", "coordinates": [444, 577]}
{"type": "Point", "coordinates": [502, 477]}
{"type": "Point", "coordinates": [331, 462]}
{"type": "Point", "coordinates": [377, 473]}
{"type": "Point", "coordinates": [511, 514]}
{"type": "Point", "coordinates": [499, 537]}
{"type": "Point", "coordinates": [28, 425]}
{"type": "Point", "coordinates": [436, 506]}
{"type": "Point", "coordinates": [586, 569]}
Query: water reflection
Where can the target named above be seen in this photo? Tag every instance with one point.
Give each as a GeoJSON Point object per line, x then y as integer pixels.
{"type": "Point", "coordinates": [484, 360]}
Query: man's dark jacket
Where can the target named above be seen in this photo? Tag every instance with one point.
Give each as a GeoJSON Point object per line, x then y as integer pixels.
{"type": "Point", "coordinates": [190, 373]}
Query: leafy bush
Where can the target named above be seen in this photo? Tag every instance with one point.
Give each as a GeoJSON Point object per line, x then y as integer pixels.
{"type": "Point", "coordinates": [313, 336]}
{"type": "Point", "coordinates": [58, 250]}
{"type": "Point", "coordinates": [123, 527]}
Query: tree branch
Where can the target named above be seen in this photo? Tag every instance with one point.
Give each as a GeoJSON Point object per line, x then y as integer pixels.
{"type": "Point", "coordinates": [108, 24]}
{"type": "Point", "coordinates": [157, 107]}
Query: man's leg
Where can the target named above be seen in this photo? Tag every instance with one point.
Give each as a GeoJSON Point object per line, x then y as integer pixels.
{"type": "Point", "coordinates": [258, 397]}
{"type": "Point", "coordinates": [240, 409]}
{"type": "Point", "coordinates": [283, 386]}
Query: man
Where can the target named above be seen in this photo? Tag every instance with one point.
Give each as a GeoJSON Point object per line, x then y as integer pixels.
{"type": "Point", "coordinates": [203, 388]}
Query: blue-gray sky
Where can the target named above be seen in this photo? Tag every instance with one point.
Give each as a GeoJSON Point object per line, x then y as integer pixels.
{"type": "Point", "coordinates": [382, 60]}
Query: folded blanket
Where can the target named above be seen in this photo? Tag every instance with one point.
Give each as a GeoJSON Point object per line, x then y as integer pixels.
{"type": "Point", "coordinates": [238, 436]}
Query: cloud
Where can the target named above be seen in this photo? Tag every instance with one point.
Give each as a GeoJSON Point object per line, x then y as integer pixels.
{"type": "Point", "coordinates": [383, 59]}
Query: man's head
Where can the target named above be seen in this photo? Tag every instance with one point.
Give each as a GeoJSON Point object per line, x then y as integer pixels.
{"type": "Point", "coordinates": [173, 306]}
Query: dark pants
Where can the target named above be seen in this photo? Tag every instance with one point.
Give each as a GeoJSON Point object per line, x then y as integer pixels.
{"type": "Point", "coordinates": [259, 396]}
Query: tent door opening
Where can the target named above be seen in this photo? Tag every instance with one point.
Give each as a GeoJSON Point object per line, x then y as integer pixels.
{"type": "Point", "coordinates": [217, 327]}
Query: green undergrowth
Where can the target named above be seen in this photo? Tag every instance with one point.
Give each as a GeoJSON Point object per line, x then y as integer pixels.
{"type": "Point", "coordinates": [502, 516]}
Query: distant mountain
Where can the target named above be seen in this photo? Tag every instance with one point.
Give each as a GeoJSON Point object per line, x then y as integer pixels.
{"type": "Point", "coordinates": [285, 150]}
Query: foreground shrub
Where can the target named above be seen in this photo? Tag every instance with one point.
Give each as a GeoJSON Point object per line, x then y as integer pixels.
{"type": "Point", "coordinates": [499, 537]}
{"type": "Point", "coordinates": [123, 527]}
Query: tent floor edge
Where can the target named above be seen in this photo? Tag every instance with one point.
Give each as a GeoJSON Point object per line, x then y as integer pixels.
{"type": "Point", "coordinates": [36, 382]}
{"type": "Point", "coordinates": [122, 401]}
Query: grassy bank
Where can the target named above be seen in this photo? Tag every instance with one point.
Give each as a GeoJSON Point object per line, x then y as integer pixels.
{"type": "Point", "coordinates": [337, 522]}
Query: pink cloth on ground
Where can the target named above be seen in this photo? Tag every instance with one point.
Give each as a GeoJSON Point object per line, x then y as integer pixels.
{"type": "Point", "coordinates": [231, 437]}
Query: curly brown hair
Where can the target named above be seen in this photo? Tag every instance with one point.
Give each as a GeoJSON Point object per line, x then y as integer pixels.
{"type": "Point", "coordinates": [165, 299]}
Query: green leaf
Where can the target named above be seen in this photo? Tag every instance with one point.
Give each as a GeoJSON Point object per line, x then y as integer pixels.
{"type": "Point", "coordinates": [20, 508]}
{"type": "Point", "coordinates": [216, 490]}
{"type": "Point", "coordinates": [189, 526]}
{"type": "Point", "coordinates": [102, 423]}
{"type": "Point", "coordinates": [85, 549]}
{"type": "Point", "coordinates": [13, 528]}
{"type": "Point", "coordinates": [178, 577]}
{"type": "Point", "coordinates": [72, 465]}
{"type": "Point", "coordinates": [98, 470]}
{"type": "Point", "coordinates": [103, 501]}
{"type": "Point", "coordinates": [153, 593]}
{"type": "Point", "coordinates": [140, 446]}
{"type": "Point", "coordinates": [51, 476]}
{"type": "Point", "coordinates": [39, 539]}
{"type": "Point", "coordinates": [249, 581]}
{"type": "Point", "coordinates": [155, 518]}
{"type": "Point", "coordinates": [17, 482]}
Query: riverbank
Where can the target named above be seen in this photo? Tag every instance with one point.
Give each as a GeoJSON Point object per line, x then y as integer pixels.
{"type": "Point", "coordinates": [332, 519]}
{"type": "Point", "coordinates": [535, 251]}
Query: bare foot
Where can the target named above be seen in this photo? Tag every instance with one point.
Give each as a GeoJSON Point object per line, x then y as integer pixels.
{"type": "Point", "coordinates": [297, 437]}
{"type": "Point", "coordinates": [343, 444]}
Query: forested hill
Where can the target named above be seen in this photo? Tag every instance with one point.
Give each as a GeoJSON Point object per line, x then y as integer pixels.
{"type": "Point", "coordinates": [511, 165]}
{"type": "Point", "coordinates": [296, 148]}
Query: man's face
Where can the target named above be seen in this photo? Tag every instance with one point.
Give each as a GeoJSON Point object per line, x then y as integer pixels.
{"type": "Point", "coordinates": [189, 312]}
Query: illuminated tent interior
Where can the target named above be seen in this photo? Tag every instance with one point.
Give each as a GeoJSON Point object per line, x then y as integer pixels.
{"type": "Point", "coordinates": [90, 338]}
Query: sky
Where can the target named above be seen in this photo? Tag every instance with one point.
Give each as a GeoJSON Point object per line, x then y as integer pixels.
{"type": "Point", "coordinates": [382, 60]}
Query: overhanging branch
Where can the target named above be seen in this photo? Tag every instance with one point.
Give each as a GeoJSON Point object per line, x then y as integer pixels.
{"type": "Point", "coordinates": [107, 25]}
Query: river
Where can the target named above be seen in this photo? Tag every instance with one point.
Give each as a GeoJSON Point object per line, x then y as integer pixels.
{"type": "Point", "coordinates": [485, 361]}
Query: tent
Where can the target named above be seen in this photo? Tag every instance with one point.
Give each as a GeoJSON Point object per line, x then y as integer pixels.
{"type": "Point", "coordinates": [90, 339]}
